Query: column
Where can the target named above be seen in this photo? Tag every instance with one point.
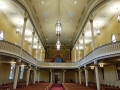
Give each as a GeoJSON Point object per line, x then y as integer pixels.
{"type": "Point", "coordinates": [64, 75]}
{"type": "Point", "coordinates": [37, 50]}
{"type": "Point", "coordinates": [78, 51]}
{"type": "Point", "coordinates": [41, 54]}
{"type": "Point", "coordinates": [51, 75]}
{"type": "Point", "coordinates": [23, 32]}
{"type": "Point", "coordinates": [84, 44]}
{"type": "Point", "coordinates": [75, 76]}
{"type": "Point", "coordinates": [38, 76]}
{"type": "Point", "coordinates": [86, 75]}
{"type": "Point", "coordinates": [33, 34]}
{"type": "Point", "coordinates": [16, 77]}
{"type": "Point", "coordinates": [28, 75]}
{"type": "Point", "coordinates": [92, 33]}
{"type": "Point", "coordinates": [97, 75]}
{"type": "Point", "coordinates": [34, 76]}
{"type": "Point", "coordinates": [80, 76]}
{"type": "Point", "coordinates": [75, 53]}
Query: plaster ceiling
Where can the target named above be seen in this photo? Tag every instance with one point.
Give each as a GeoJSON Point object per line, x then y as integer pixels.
{"type": "Point", "coordinates": [44, 14]}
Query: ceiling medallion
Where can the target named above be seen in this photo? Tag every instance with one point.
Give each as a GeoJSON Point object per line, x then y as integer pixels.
{"type": "Point", "coordinates": [71, 14]}
{"type": "Point", "coordinates": [46, 13]}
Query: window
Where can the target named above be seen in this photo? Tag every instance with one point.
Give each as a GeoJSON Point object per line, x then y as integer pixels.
{"type": "Point", "coordinates": [118, 71]}
{"type": "Point", "coordinates": [12, 71]}
{"type": "Point", "coordinates": [21, 72]}
{"type": "Point", "coordinates": [102, 69]}
{"type": "Point", "coordinates": [113, 38]}
{"type": "Point", "coordinates": [2, 35]}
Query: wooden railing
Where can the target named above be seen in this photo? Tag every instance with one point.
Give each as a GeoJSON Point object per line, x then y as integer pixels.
{"type": "Point", "coordinates": [108, 50]}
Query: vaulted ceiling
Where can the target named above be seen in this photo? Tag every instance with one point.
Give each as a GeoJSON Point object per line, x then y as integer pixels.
{"type": "Point", "coordinates": [73, 14]}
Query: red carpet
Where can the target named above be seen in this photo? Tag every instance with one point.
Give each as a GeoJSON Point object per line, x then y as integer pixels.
{"type": "Point", "coordinates": [57, 87]}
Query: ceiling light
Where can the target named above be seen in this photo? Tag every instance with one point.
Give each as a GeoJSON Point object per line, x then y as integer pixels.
{"type": "Point", "coordinates": [58, 28]}
{"type": "Point", "coordinates": [42, 2]}
{"type": "Point", "coordinates": [75, 2]}
{"type": "Point", "coordinates": [58, 44]}
{"type": "Point", "coordinates": [71, 20]}
{"type": "Point", "coordinates": [92, 67]}
{"type": "Point", "coordinates": [101, 64]}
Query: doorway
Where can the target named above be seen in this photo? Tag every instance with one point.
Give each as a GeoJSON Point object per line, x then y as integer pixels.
{"type": "Point", "coordinates": [58, 78]}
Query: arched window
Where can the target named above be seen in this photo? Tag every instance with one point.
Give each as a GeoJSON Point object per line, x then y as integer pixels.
{"type": "Point", "coordinates": [21, 72]}
{"type": "Point", "coordinates": [113, 38]}
{"type": "Point", "coordinates": [2, 35]}
{"type": "Point", "coordinates": [12, 71]}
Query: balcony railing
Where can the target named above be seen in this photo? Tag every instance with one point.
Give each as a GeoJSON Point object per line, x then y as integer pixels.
{"type": "Point", "coordinates": [105, 51]}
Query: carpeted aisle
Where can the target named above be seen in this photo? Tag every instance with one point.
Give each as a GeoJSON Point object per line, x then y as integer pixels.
{"type": "Point", "coordinates": [57, 87]}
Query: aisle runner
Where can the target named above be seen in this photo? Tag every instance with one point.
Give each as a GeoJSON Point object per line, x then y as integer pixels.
{"type": "Point", "coordinates": [57, 87]}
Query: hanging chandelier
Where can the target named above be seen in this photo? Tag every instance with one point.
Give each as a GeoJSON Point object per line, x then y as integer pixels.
{"type": "Point", "coordinates": [58, 44]}
{"type": "Point", "coordinates": [58, 28]}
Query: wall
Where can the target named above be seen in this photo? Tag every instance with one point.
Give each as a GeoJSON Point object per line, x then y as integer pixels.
{"type": "Point", "coordinates": [112, 27]}
{"type": "Point", "coordinates": [69, 74]}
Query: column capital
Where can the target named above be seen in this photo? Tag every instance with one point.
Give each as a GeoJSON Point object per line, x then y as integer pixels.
{"type": "Point", "coordinates": [38, 41]}
{"type": "Point", "coordinates": [33, 33]}
{"type": "Point", "coordinates": [25, 19]}
{"type": "Point", "coordinates": [91, 20]}
{"type": "Point", "coordinates": [83, 34]}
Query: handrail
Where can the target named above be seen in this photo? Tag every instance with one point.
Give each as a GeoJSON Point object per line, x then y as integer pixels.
{"type": "Point", "coordinates": [104, 51]}
{"type": "Point", "coordinates": [12, 49]}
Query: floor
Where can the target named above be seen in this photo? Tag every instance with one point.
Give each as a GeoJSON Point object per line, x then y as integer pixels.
{"type": "Point", "coordinates": [57, 87]}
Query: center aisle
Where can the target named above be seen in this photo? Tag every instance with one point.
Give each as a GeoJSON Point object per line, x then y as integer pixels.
{"type": "Point", "coordinates": [57, 87]}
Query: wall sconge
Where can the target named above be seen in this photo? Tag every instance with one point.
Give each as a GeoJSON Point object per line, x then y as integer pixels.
{"type": "Point", "coordinates": [98, 31]}
{"type": "Point", "coordinates": [118, 17]}
{"type": "Point", "coordinates": [25, 39]}
{"type": "Point", "coordinates": [18, 30]}
{"type": "Point", "coordinates": [92, 67]}
{"type": "Point", "coordinates": [101, 64]}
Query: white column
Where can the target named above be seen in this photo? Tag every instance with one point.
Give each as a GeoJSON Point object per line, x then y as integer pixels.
{"type": "Point", "coordinates": [16, 77]}
{"type": "Point", "coordinates": [51, 75]}
{"type": "Point", "coordinates": [78, 51]}
{"type": "Point", "coordinates": [84, 44]}
{"type": "Point", "coordinates": [37, 49]}
{"type": "Point", "coordinates": [97, 75]}
{"type": "Point", "coordinates": [75, 53]}
{"type": "Point", "coordinates": [41, 54]}
{"type": "Point", "coordinates": [38, 75]}
{"type": "Point", "coordinates": [28, 75]}
{"type": "Point", "coordinates": [23, 33]}
{"type": "Point", "coordinates": [79, 76]}
{"type": "Point", "coordinates": [75, 77]}
{"type": "Point", "coordinates": [92, 33]}
{"type": "Point", "coordinates": [34, 76]}
{"type": "Point", "coordinates": [86, 75]}
{"type": "Point", "coordinates": [33, 34]}
{"type": "Point", "coordinates": [64, 75]}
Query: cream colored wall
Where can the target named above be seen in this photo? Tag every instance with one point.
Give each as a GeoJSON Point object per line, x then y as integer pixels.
{"type": "Point", "coordinates": [10, 33]}
{"type": "Point", "coordinates": [69, 74]}
{"type": "Point", "coordinates": [44, 75]}
{"type": "Point", "coordinates": [113, 27]}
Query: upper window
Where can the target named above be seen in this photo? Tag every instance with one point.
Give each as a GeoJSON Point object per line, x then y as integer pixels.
{"type": "Point", "coordinates": [12, 72]}
{"type": "Point", "coordinates": [2, 35]}
{"type": "Point", "coordinates": [113, 38]}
